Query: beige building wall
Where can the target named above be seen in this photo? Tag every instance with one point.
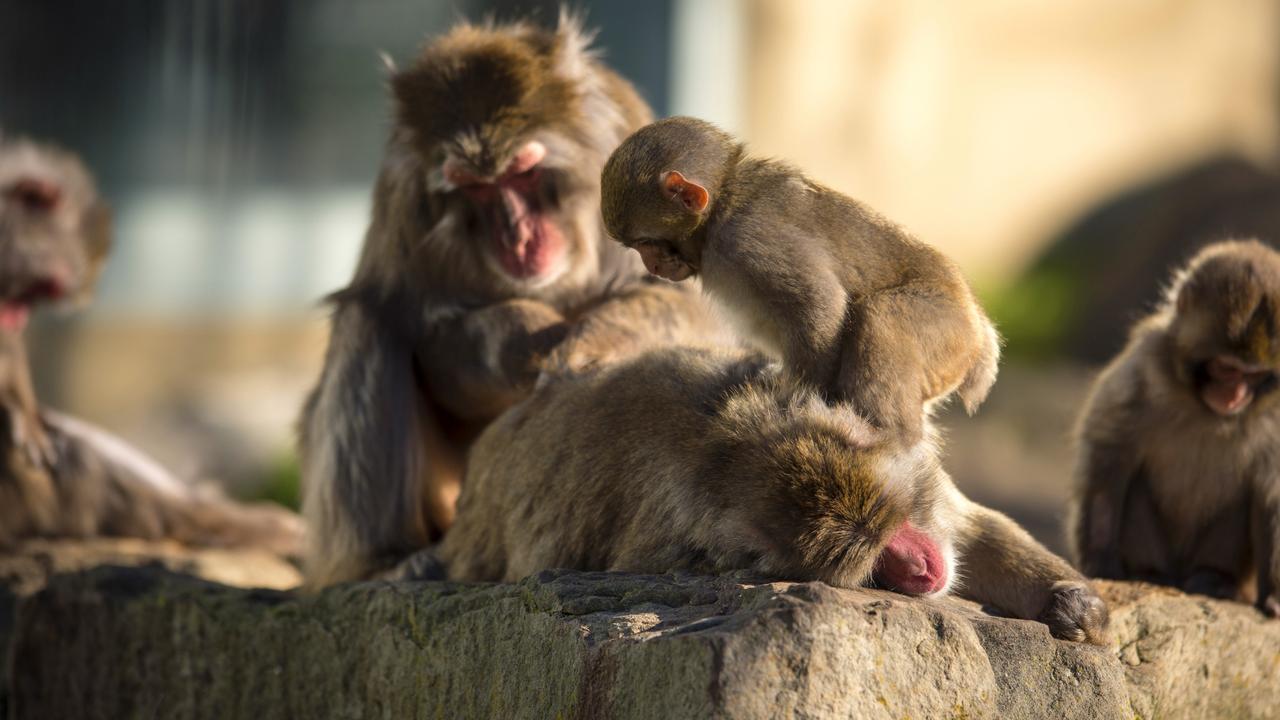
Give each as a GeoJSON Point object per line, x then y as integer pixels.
{"type": "Point", "coordinates": [985, 125]}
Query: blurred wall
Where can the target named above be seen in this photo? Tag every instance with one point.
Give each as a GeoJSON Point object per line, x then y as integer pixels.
{"type": "Point", "coordinates": [985, 125]}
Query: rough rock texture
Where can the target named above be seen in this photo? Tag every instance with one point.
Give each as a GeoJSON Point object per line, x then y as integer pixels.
{"type": "Point", "coordinates": [26, 568]}
{"type": "Point", "coordinates": [146, 643]}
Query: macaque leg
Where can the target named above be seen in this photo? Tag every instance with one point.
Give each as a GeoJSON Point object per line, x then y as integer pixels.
{"type": "Point", "coordinates": [479, 363]}
{"type": "Point", "coordinates": [1107, 473]}
{"type": "Point", "coordinates": [903, 348]}
{"type": "Point", "coordinates": [1141, 544]}
{"type": "Point", "coordinates": [1216, 564]}
{"type": "Point", "coordinates": [1265, 527]}
{"type": "Point", "coordinates": [646, 315]}
{"type": "Point", "coordinates": [1004, 566]}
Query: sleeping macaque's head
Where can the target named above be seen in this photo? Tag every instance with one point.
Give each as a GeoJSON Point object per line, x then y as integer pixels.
{"type": "Point", "coordinates": [1226, 328]}
{"type": "Point", "coordinates": [658, 188]}
{"type": "Point", "coordinates": [511, 125]}
{"type": "Point", "coordinates": [54, 231]}
{"type": "Point", "coordinates": [839, 510]}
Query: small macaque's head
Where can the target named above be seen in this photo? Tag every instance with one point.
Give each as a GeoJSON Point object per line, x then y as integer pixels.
{"type": "Point", "coordinates": [54, 231]}
{"type": "Point", "coordinates": [658, 188]}
{"type": "Point", "coordinates": [1226, 327]}
{"type": "Point", "coordinates": [511, 125]}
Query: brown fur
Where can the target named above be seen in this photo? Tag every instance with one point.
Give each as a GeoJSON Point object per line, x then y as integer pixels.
{"type": "Point", "coordinates": [1169, 490]}
{"type": "Point", "coordinates": [431, 340]}
{"type": "Point", "coordinates": [60, 477]}
{"type": "Point", "coordinates": [708, 461]}
{"type": "Point", "coordinates": [852, 304]}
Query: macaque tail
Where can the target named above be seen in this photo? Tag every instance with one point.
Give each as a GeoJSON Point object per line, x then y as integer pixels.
{"type": "Point", "coordinates": [982, 375]}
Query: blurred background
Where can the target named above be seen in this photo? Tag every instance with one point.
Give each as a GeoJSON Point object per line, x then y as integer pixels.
{"type": "Point", "coordinates": [1065, 152]}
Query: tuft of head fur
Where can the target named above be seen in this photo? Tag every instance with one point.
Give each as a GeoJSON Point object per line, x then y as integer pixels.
{"type": "Point", "coordinates": [479, 88]}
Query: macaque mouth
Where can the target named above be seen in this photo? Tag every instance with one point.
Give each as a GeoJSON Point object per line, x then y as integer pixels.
{"type": "Point", "coordinates": [15, 309]}
{"type": "Point", "coordinates": [662, 260]}
{"type": "Point", "coordinates": [526, 241]}
{"type": "Point", "coordinates": [1227, 385]}
{"type": "Point", "coordinates": [912, 564]}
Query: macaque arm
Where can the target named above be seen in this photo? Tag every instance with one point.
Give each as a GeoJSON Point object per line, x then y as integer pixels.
{"type": "Point", "coordinates": [1107, 466]}
{"type": "Point", "coordinates": [1004, 566]}
{"type": "Point", "coordinates": [643, 315]}
{"type": "Point", "coordinates": [781, 287]}
{"type": "Point", "coordinates": [479, 362]}
{"type": "Point", "coordinates": [364, 458]}
{"type": "Point", "coordinates": [1265, 524]}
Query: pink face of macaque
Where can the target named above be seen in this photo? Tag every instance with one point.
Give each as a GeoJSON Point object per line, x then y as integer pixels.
{"type": "Point", "coordinates": [912, 563]}
{"type": "Point", "coordinates": [661, 262]}
{"type": "Point", "coordinates": [1231, 385]}
{"type": "Point", "coordinates": [39, 199]}
{"type": "Point", "coordinates": [526, 241]}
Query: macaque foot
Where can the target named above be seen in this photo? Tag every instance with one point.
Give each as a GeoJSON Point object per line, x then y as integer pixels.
{"type": "Point", "coordinates": [420, 566]}
{"type": "Point", "coordinates": [1270, 605]}
{"type": "Point", "coordinates": [1214, 583]}
{"type": "Point", "coordinates": [1075, 612]}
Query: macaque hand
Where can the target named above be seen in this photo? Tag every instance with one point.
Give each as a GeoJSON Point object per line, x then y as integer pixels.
{"type": "Point", "coordinates": [1077, 613]}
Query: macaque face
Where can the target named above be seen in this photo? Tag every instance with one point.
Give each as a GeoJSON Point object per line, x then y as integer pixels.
{"type": "Point", "coordinates": [516, 210]}
{"type": "Point", "coordinates": [53, 234]}
{"type": "Point", "coordinates": [1225, 340]}
{"type": "Point", "coordinates": [913, 563]}
{"type": "Point", "coordinates": [1228, 385]}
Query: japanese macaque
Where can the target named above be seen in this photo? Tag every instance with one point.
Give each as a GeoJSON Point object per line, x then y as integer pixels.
{"type": "Point", "coordinates": [484, 267]}
{"type": "Point", "coordinates": [1178, 468]}
{"type": "Point", "coordinates": [852, 304]}
{"type": "Point", "coordinates": [707, 461]}
{"type": "Point", "coordinates": [61, 477]}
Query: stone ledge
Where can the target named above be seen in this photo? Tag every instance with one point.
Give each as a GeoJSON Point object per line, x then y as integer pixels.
{"type": "Point", "coordinates": [121, 642]}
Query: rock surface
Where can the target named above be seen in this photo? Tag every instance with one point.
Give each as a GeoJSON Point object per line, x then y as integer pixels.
{"type": "Point", "coordinates": [26, 568]}
{"type": "Point", "coordinates": [116, 642]}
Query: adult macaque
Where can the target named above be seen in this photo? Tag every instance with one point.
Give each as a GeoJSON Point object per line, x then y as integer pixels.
{"type": "Point", "coordinates": [1178, 465]}
{"type": "Point", "coordinates": [484, 265]}
{"type": "Point", "coordinates": [853, 305]}
{"type": "Point", "coordinates": [60, 477]}
{"type": "Point", "coordinates": [710, 461]}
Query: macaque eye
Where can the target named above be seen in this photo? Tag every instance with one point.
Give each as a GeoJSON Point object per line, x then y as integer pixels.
{"type": "Point", "coordinates": [35, 194]}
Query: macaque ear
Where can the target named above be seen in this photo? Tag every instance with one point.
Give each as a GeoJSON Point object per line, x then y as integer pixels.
{"type": "Point", "coordinates": [692, 195]}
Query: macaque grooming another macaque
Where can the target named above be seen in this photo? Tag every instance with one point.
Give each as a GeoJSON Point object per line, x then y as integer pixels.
{"type": "Point", "coordinates": [708, 461]}
{"type": "Point", "coordinates": [61, 477]}
{"type": "Point", "coordinates": [484, 265]}
{"type": "Point", "coordinates": [852, 304]}
{"type": "Point", "coordinates": [1178, 468]}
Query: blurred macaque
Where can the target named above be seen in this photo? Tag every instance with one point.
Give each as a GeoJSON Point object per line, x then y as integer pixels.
{"type": "Point", "coordinates": [484, 267]}
{"type": "Point", "coordinates": [1178, 466]}
{"type": "Point", "coordinates": [62, 477]}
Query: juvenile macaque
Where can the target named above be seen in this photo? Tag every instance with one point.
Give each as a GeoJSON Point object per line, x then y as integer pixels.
{"type": "Point", "coordinates": [1178, 466]}
{"type": "Point", "coordinates": [708, 461]}
{"type": "Point", "coordinates": [484, 265]}
{"type": "Point", "coordinates": [61, 477]}
{"type": "Point", "coordinates": [853, 305]}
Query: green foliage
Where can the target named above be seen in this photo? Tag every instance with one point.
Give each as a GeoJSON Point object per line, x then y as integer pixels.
{"type": "Point", "coordinates": [282, 483]}
{"type": "Point", "coordinates": [1035, 313]}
